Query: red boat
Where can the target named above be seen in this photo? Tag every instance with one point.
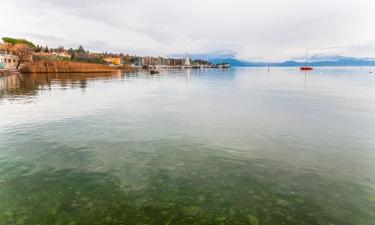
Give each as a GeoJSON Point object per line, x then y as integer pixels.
{"type": "Point", "coordinates": [306, 68]}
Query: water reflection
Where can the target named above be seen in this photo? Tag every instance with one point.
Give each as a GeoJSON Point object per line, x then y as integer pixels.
{"type": "Point", "coordinates": [188, 75]}
{"type": "Point", "coordinates": [29, 84]}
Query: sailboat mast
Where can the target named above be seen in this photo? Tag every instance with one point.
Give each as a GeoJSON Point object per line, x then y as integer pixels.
{"type": "Point", "coordinates": [306, 67]}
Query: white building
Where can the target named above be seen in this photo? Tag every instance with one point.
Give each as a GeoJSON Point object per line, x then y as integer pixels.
{"type": "Point", "coordinates": [8, 61]}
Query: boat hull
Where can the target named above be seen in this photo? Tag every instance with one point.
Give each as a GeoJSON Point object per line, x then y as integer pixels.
{"type": "Point", "coordinates": [306, 68]}
{"type": "Point", "coordinates": [152, 72]}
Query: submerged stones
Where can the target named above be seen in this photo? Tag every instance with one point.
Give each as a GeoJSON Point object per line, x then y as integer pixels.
{"type": "Point", "coordinates": [283, 203]}
{"type": "Point", "coordinates": [201, 198]}
{"type": "Point", "coordinates": [172, 197]}
{"type": "Point", "coordinates": [191, 211]}
{"type": "Point", "coordinates": [253, 220]}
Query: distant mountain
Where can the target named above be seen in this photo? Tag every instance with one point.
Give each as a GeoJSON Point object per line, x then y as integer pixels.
{"type": "Point", "coordinates": [233, 62]}
{"type": "Point", "coordinates": [316, 61]}
{"type": "Point", "coordinates": [324, 57]}
{"type": "Point", "coordinates": [319, 58]}
{"type": "Point", "coordinates": [207, 57]}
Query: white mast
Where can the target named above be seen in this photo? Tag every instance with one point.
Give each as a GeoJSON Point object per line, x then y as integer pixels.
{"type": "Point", "coordinates": [307, 54]}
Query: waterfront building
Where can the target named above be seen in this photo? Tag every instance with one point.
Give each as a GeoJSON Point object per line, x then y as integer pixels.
{"type": "Point", "coordinates": [113, 60]}
{"type": "Point", "coordinates": [149, 61]}
{"type": "Point", "coordinates": [8, 61]}
{"type": "Point", "coordinates": [51, 56]}
{"type": "Point", "coordinates": [160, 61]}
{"type": "Point", "coordinates": [62, 54]}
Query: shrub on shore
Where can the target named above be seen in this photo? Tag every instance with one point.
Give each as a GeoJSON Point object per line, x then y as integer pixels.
{"type": "Point", "coordinates": [48, 66]}
{"type": "Point", "coordinates": [14, 41]}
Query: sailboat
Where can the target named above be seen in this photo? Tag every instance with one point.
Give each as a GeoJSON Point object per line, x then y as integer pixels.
{"type": "Point", "coordinates": [152, 72]}
{"type": "Point", "coordinates": [306, 67]}
{"type": "Point", "coordinates": [187, 63]}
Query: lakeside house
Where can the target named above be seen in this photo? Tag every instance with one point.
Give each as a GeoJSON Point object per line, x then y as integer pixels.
{"type": "Point", "coordinates": [62, 54]}
{"type": "Point", "coordinates": [185, 62]}
{"type": "Point", "coordinates": [51, 55]}
{"type": "Point", "coordinates": [8, 61]}
{"type": "Point", "coordinates": [116, 61]}
{"type": "Point", "coordinates": [154, 61]}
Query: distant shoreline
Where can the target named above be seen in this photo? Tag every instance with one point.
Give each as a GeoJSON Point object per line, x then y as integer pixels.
{"type": "Point", "coordinates": [43, 67]}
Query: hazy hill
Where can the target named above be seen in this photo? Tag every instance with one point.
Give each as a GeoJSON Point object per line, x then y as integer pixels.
{"type": "Point", "coordinates": [313, 61]}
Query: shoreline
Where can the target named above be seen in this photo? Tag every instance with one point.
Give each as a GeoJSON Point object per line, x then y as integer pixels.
{"type": "Point", "coordinates": [7, 72]}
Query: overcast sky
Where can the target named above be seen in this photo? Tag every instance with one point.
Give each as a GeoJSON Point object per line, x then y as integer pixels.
{"type": "Point", "coordinates": [250, 29]}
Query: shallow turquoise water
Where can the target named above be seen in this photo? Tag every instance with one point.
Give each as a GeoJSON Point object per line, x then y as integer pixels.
{"type": "Point", "coordinates": [239, 146]}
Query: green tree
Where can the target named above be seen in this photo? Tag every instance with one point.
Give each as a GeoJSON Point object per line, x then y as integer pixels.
{"type": "Point", "coordinates": [38, 48]}
{"type": "Point", "coordinates": [23, 52]}
{"type": "Point", "coordinates": [81, 49]}
{"type": "Point", "coordinates": [14, 41]}
{"type": "Point", "coordinates": [61, 49]}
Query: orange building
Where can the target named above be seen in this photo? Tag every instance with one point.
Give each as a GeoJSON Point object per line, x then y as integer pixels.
{"type": "Point", "coordinates": [113, 60]}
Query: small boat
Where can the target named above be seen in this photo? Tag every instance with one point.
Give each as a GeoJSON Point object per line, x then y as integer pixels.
{"type": "Point", "coordinates": [152, 72]}
{"type": "Point", "coordinates": [304, 68]}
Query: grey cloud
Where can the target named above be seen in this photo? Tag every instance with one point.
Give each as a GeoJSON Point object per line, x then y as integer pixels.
{"type": "Point", "coordinates": [262, 29]}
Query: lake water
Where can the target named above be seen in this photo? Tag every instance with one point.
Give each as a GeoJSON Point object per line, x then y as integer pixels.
{"type": "Point", "coordinates": [238, 146]}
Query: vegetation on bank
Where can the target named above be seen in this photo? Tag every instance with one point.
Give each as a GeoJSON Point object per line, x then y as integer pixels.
{"type": "Point", "coordinates": [14, 41]}
{"type": "Point", "coordinates": [41, 59]}
{"type": "Point", "coordinates": [49, 66]}
{"type": "Point", "coordinates": [76, 55]}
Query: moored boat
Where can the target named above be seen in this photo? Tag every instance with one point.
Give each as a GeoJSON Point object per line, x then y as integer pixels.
{"type": "Point", "coordinates": [306, 68]}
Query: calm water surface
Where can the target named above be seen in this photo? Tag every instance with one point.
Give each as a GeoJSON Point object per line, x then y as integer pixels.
{"type": "Point", "coordinates": [239, 146]}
